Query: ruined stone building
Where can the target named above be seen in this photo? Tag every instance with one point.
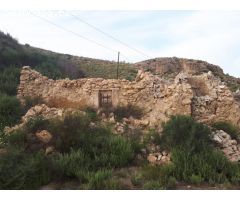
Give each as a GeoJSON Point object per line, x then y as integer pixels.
{"type": "Point", "coordinates": [203, 96]}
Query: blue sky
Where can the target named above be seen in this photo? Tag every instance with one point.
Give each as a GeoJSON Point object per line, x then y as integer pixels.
{"type": "Point", "coordinates": [213, 36]}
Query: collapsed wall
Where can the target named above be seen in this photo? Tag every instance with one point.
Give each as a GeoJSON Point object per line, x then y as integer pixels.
{"type": "Point", "coordinates": [202, 96]}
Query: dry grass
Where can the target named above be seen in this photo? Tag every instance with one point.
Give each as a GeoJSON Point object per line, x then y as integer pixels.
{"type": "Point", "coordinates": [62, 102]}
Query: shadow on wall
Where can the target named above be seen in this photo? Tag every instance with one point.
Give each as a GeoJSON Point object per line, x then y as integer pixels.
{"type": "Point", "coordinates": [62, 102]}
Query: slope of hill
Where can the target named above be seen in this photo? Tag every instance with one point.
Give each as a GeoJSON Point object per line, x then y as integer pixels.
{"type": "Point", "coordinates": [56, 65]}
{"type": "Point", "coordinates": [169, 67]}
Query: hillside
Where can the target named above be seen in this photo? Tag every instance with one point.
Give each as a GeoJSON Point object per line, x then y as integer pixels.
{"type": "Point", "coordinates": [169, 67]}
{"type": "Point", "coordinates": [56, 65]}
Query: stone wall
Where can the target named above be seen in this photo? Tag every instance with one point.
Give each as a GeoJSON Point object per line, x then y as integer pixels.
{"type": "Point", "coordinates": [202, 96]}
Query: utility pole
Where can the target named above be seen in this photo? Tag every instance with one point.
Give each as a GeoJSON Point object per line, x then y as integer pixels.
{"type": "Point", "coordinates": [118, 64]}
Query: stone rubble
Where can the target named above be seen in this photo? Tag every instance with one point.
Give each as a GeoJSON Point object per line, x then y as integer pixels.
{"type": "Point", "coordinates": [44, 136]}
{"type": "Point", "coordinates": [44, 111]}
{"type": "Point", "coordinates": [159, 158]}
{"type": "Point", "coordinates": [229, 146]}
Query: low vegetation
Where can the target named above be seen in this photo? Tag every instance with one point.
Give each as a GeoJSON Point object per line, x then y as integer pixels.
{"type": "Point", "coordinates": [84, 153]}
{"type": "Point", "coordinates": [194, 157]}
{"type": "Point", "coordinates": [89, 154]}
{"type": "Point", "coordinates": [10, 110]}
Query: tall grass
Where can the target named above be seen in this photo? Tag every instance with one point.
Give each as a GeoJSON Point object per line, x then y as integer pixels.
{"type": "Point", "coordinates": [84, 153]}
{"type": "Point", "coordinates": [193, 154]}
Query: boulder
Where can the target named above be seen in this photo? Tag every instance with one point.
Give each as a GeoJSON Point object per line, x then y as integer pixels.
{"type": "Point", "coordinates": [152, 158]}
{"type": "Point", "coordinates": [44, 136]}
{"type": "Point", "coordinates": [49, 150]}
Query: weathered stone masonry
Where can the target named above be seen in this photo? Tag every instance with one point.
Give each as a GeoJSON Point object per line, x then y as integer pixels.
{"type": "Point", "coordinates": [203, 96]}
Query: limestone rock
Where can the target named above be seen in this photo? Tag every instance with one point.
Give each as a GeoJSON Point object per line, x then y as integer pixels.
{"type": "Point", "coordinates": [49, 150]}
{"type": "Point", "coordinates": [228, 146]}
{"type": "Point", "coordinates": [44, 136]}
{"type": "Point", "coordinates": [159, 158]}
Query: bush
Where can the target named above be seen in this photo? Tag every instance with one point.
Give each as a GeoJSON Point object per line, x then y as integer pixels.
{"type": "Point", "coordinates": [17, 138]}
{"type": "Point", "coordinates": [99, 179]}
{"type": "Point", "coordinates": [86, 154]}
{"type": "Point", "coordinates": [195, 179]}
{"type": "Point", "coordinates": [193, 156]}
{"type": "Point", "coordinates": [152, 185]}
{"type": "Point", "coordinates": [183, 131]}
{"type": "Point", "coordinates": [69, 164]}
{"type": "Point", "coordinates": [209, 165]}
{"type": "Point", "coordinates": [159, 177]}
{"type": "Point", "coordinates": [127, 111]}
{"type": "Point", "coordinates": [23, 171]}
{"type": "Point", "coordinates": [92, 114]}
{"type": "Point", "coordinates": [229, 128]}
{"type": "Point", "coordinates": [36, 123]}
{"type": "Point", "coordinates": [9, 79]}
{"type": "Point", "coordinates": [10, 110]}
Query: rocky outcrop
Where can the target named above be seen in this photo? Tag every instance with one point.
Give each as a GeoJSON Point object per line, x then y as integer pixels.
{"type": "Point", "coordinates": [204, 96]}
{"type": "Point", "coordinates": [230, 147]}
{"type": "Point", "coordinates": [41, 110]}
{"type": "Point", "coordinates": [171, 66]}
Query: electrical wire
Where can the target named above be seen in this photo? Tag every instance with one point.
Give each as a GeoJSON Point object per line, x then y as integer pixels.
{"type": "Point", "coordinates": [106, 34]}
{"type": "Point", "coordinates": [72, 32]}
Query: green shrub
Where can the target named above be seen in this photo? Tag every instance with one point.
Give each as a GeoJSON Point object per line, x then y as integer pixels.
{"type": "Point", "coordinates": [86, 154]}
{"type": "Point", "coordinates": [69, 164]}
{"type": "Point", "coordinates": [9, 79]}
{"type": "Point", "coordinates": [209, 165]}
{"type": "Point", "coordinates": [98, 179]}
{"type": "Point", "coordinates": [195, 179]}
{"type": "Point", "coordinates": [10, 110]}
{"type": "Point", "coordinates": [152, 137]}
{"type": "Point", "coordinates": [193, 156]}
{"type": "Point", "coordinates": [136, 179]}
{"type": "Point", "coordinates": [229, 128]}
{"type": "Point", "coordinates": [17, 138]}
{"type": "Point", "coordinates": [160, 176]}
{"type": "Point", "coordinates": [23, 171]}
{"type": "Point", "coordinates": [152, 185]}
{"type": "Point", "coordinates": [183, 131]}
{"type": "Point", "coordinates": [36, 123]}
{"type": "Point", "coordinates": [92, 114]}
{"type": "Point", "coordinates": [76, 121]}
{"type": "Point", "coordinates": [98, 143]}
{"type": "Point", "coordinates": [127, 111]}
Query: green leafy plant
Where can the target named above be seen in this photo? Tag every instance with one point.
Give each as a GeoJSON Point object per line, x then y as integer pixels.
{"type": "Point", "coordinates": [10, 110]}
{"type": "Point", "coordinates": [23, 171]}
{"type": "Point", "coordinates": [192, 153]}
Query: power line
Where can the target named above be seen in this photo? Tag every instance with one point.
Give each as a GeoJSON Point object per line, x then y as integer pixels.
{"type": "Point", "coordinates": [106, 34]}
{"type": "Point", "coordinates": [72, 32]}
